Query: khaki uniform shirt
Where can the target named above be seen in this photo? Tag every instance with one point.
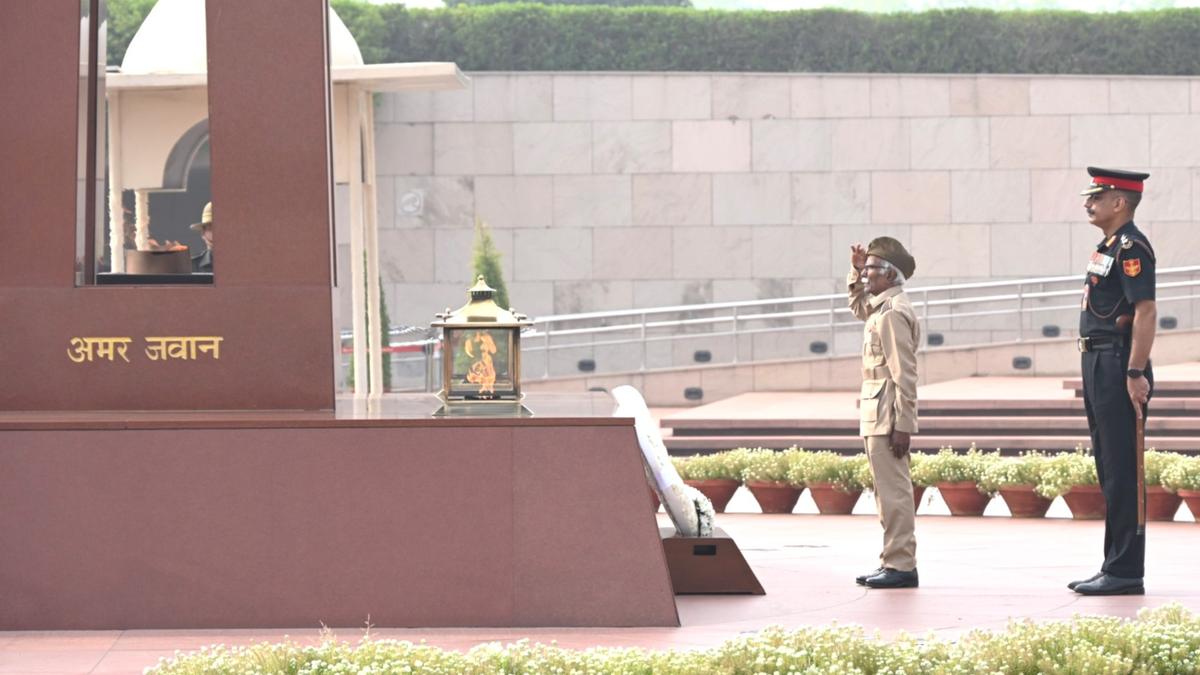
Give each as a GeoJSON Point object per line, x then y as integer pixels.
{"type": "Point", "coordinates": [889, 359]}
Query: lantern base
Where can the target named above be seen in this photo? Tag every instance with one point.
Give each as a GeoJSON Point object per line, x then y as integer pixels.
{"type": "Point", "coordinates": [495, 408]}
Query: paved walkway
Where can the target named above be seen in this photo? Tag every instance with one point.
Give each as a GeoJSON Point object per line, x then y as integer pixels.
{"type": "Point", "coordinates": [791, 405]}
{"type": "Point", "coordinates": [975, 573]}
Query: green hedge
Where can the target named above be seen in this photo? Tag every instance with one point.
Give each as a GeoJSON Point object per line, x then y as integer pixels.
{"type": "Point", "coordinates": [1164, 640]}
{"type": "Point", "coordinates": [556, 37]}
{"type": "Point", "coordinates": [606, 3]}
{"type": "Point", "coordinates": [536, 37]}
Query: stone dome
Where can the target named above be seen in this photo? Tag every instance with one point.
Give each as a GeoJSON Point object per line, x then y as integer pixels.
{"type": "Point", "coordinates": [172, 41]}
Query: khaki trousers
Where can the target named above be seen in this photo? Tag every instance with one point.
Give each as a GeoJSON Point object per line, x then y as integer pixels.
{"type": "Point", "coordinates": [894, 502]}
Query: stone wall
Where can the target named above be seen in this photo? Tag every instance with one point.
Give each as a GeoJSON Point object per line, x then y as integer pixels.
{"type": "Point", "coordinates": [609, 191]}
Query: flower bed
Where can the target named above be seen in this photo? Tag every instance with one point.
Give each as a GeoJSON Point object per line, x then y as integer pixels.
{"type": "Point", "coordinates": [1163, 640]}
{"type": "Point", "coordinates": [1028, 483]}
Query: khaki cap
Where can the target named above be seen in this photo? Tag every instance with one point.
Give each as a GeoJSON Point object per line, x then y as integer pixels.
{"type": "Point", "coordinates": [205, 218]}
{"type": "Point", "coordinates": [894, 252]}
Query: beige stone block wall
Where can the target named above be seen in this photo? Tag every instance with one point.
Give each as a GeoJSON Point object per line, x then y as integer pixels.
{"type": "Point", "coordinates": [631, 147]}
{"type": "Point", "coordinates": [663, 189]}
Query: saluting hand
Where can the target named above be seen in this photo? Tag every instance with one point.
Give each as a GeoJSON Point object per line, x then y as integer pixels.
{"type": "Point", "coordinates": [900, 443]}
{"type": "Point", "coordinates": [858, 256]}
{"type": "Point", "coordinates": [1139, 392]}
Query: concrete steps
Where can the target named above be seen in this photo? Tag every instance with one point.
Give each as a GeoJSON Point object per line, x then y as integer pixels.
{"type": "Point", "coordinates": [1050, 417]}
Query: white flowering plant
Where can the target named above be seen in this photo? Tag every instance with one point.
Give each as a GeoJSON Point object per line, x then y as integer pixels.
{"type": "Point", "coordinates": [771, 465]}
{"type": "Point", "coordinates": [1157, 463]}
{"type": "Point", "coordinates": [1162, 640]}
{"type": "Point", "coordinates": [1008, 471]}
{"type": "Point", "coordinates": [948, 466]}
{"type": "Point", "coordinates": [1065, 471]}
{"type": "Point", "coordinates": [1183, 474]}
{"type": "Point", "coordinates": [845, 473]}
{"type": "Point", "coordinates": [727, 465]}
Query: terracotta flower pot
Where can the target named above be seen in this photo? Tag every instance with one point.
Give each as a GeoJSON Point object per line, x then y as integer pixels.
{"type": "Point", "coordinates": [1192, 499]}
{"type": "Point", "coordinates": [918, 492]}
{"type": "Point", "coordinates": [1023, 502]}
{"type": "Point", "coordinates": [654, 502]}
{"type": "Point", "coordinates": [774, 496]}
{"type": "Point", "coordinates": [964, 498]}
{"type": "Point", "coordinates": [1161, 503]}
{"type": "Point", "coordinates": [1086, 502]}
{"type": "Point", "coordinates": [833, 501]}
{"type": "Point", "coordinates": [718, 490]}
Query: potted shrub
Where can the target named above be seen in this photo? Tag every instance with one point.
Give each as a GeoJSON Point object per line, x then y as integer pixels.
{"type": "Point", "coordinates": [1183, 477]}
{"type": "Point", "coordinates": [1161, 502]}
{"type": "Point", "coordinates": [1073, 475]}
{"type": "Point", "coordinates": [1016, 479]}
{"type": "Point", "coordinates": [918, 478]}
{"type": "Point", "coordinates": [956, 477]}
{"type": "Point", "coordinates": [835, 482]}
{"type": "Point", "coordinates": [717, 475]}
{"type": "Point", "coordinates": [766, 476]}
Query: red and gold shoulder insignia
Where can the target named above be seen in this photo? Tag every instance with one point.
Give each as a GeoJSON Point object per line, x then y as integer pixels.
{"type": "Point", "coordinates": [1133, 267]}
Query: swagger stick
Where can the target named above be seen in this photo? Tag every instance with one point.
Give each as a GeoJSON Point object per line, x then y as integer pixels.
{"type": "Point", "coordinates": [1141, 471]}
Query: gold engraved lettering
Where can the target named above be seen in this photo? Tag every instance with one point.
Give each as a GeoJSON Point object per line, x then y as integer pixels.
{"type": "Point", "coordinates": [156, 348]}
{"type": "Point", "coordinates": [181, 348]}
{"type": "Point", "coordinates": [209, 345]}
{"type": "Point", "coordinates": [80, 351]}
{"type": "Point", "coordinates": [108, 348]}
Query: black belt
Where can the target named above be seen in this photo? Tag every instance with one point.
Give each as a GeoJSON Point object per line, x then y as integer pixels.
{"type": "Point", "coordinates": [1100, 343]}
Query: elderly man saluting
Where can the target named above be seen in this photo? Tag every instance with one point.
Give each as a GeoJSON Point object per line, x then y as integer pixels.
{"type": "Point", "coordinates": [888, 405]}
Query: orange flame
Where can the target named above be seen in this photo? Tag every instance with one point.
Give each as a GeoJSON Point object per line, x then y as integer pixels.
{"type": "Point", "coordinates": [482, 371]}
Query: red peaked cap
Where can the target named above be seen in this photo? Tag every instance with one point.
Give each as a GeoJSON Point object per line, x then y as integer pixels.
{"type": "Point", "coordinates": [1114, 179]}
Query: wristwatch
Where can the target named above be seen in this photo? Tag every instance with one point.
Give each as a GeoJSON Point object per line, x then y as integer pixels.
{"type": "Point", "coordinates": [1133, 373]}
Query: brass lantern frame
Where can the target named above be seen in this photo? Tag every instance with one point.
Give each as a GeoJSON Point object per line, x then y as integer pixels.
{"type": "Point", "coordinates": [482, 315]}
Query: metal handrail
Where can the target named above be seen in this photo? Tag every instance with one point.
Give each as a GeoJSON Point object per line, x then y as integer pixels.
{"type": "Point", "coordinates": [823, 316]}
{"type": "Point", "coordinates": [646, 326]}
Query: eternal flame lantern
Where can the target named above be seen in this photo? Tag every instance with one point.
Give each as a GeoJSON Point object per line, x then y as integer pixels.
{"type": "Point", "coordinates": [481, 356]}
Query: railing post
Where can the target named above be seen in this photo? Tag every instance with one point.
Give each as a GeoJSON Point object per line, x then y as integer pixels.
{"type": "Point", "coordinates": [427, 349]}
{"type": "Point", "coordinates": [832, 351]}
{"type": "Point", "coordinates": [546, 373]}
{"type": "Point", "coordinates": [643, 334]}
{"type": "Point", "coordinates": [925, 313]}
{"type": "Point", "coordinates": [1020, 312]}
{"type": "Point", "coordinates": [736, 341]}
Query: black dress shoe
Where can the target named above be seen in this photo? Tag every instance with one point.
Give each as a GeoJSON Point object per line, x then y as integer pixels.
{"type": "Point", "coordinates": [1088, 580]}
{"type": "Point", "coordinates": [890, 578]}
{"type": "Point", "coordinates": [861, 579]}
{"type": "Point", "coordinates": [1107, 584]}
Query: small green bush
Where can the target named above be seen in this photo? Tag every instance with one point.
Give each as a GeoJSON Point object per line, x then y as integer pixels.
{"type": "Point", "coordinates": [1163, 640]}
{"type": "Point", "coordinates": [1183, 474]}
{"type": "Point", "coordinates": [485, 262]}
{"type": "Point", "coordinates": [1066, 470]}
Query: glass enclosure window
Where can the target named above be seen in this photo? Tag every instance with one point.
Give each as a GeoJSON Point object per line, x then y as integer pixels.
{"type": "Point", "coordinates": [482, 367]}
{"type": "Point", "coordinates": [147, 217]}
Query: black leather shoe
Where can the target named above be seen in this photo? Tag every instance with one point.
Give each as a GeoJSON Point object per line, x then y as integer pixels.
{"type": "Point", "coordinates": [1088, 580]}
{"type": "Point", "coordinates": [1107, 584]}
{"type": "Point", "coordinates": [890, 578]}
{"type": "Point", "coordinates": [861, 579]}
